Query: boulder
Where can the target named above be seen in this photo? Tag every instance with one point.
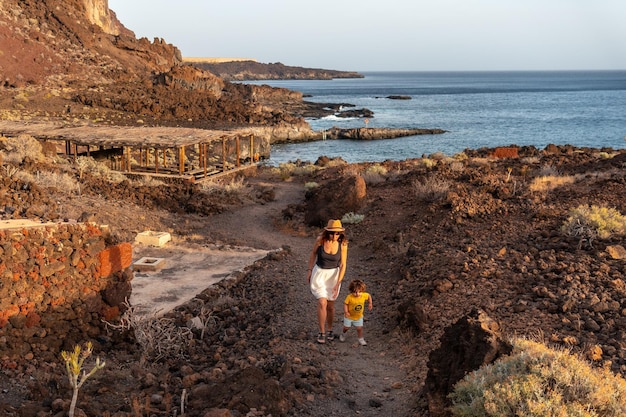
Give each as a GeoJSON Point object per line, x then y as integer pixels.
{"type": "Point", "coordinates": [333, 199]}
{"type": "Point", "coordinates": [473, 341]}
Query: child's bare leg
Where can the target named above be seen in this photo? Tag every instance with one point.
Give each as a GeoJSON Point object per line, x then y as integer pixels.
{"type": "Point", "coordinates": [359, 332]}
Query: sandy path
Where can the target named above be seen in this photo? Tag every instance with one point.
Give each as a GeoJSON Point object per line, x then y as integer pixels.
{"type": "Point", "coordinates": [369, 380]}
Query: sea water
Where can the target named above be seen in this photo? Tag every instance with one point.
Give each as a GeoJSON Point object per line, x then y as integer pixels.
{"type": "Point", "coordinates": [477, 109]}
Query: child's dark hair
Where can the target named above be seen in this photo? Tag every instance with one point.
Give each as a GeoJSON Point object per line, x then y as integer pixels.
{"type": "Point", "coordinates": [357, 284]}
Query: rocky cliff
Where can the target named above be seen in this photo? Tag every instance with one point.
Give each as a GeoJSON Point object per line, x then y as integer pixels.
{"type": "Point", "coordinates": [73, 60]}
{"type": "Point", "coordinates": [243, 70]}
{"type": "Point", "coordinates": [73, 42]}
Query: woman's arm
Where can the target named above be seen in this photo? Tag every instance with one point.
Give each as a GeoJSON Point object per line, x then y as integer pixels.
{"type": "Point", "coordinates": [342, 267]}
{"type": "Point", "coordinates": [344, 260]}
{"type": "Point", "coordinates": [313, 257]}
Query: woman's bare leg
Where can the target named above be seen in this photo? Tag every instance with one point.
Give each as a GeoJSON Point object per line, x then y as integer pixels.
{"type": "Point", "coordinates": [322, 306]}
{"type": "Point", "coordinates": [330, 314]}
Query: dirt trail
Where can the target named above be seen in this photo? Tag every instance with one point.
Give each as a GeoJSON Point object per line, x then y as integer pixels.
{"type": "Point", "coordinates": [366, 380]}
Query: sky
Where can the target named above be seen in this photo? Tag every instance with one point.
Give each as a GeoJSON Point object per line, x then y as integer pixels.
{"type": "Point", "coordinates": [391, 35]}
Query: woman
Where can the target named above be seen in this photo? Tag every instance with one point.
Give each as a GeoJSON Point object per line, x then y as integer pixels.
{"type": "Point", "coordinates": [327, 266]}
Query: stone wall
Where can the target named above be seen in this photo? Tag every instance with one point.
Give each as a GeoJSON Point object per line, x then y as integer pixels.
{"type": "Point", "coordinates": [58, 282]}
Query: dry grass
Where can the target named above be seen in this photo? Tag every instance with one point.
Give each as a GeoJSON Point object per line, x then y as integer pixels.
{"type": "Point", "coordinates": [433, 188]}
{"type": "Point", "coordinates": [374, 174]}
{"type": "Point", "coordinates": [62, 182]}
{"type": "Point", "coordinates": [16, 149]}
{"type": "Point", "coordinates": [536, 380]}
{"type": "Point", "coordinates": [547, 183]}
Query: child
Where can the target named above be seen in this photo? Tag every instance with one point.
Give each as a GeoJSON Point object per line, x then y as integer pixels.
{"type": "Point", "coordinates": [353, 307]}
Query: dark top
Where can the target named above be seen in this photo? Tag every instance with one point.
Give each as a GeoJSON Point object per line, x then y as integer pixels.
{"type": "Point", "coordinates": [326, 260]}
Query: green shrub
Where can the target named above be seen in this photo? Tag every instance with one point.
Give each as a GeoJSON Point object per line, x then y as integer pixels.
{"type": "Point", "coordinates": [352, 218]}
{"type": "Point", "coordinates": [589, 222]}
{"type": "Point", "coordinates": [376, 169]}
{"type": "Point", "coordinates": [537, 381]}
{"type": "Point", "coordinates": [310, 185]}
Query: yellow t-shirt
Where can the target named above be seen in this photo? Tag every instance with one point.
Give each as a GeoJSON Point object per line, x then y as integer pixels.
{"type": "Point", "coordinates": [356, 305]}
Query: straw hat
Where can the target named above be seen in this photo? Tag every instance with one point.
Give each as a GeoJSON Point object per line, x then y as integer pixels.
{"type": "Point", "coordinates": [334, 226]}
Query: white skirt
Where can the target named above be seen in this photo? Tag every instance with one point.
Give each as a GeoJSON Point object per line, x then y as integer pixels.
{"type": "Point", "coordinates": [323, 281]}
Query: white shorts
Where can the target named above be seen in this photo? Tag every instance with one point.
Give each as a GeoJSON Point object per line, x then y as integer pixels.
{"type": "Point", "coordinates": [323, 281]}
{"type": "Point", "coordinates": [349, 322]}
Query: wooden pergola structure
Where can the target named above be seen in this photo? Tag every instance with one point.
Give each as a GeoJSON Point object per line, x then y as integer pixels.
{"type": "Point", "coordinates": [186, 153]}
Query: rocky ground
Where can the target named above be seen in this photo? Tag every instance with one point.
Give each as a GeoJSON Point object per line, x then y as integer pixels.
{"type": "Point", "coordinates": [486, 239]}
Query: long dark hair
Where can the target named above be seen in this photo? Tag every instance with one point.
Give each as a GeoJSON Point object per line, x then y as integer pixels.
{"type": "Point", "coordinates": [342, 236]}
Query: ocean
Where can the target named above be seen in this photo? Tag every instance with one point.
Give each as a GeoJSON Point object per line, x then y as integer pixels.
{"type": "Point", "coordinates": [477, 109]}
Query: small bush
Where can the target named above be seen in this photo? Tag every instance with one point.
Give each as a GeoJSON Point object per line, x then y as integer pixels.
{"type": "Point", "coordinates": [548, 170]}
{"type": "Point", "coordinates": [433, 188]}
{"type": "Point", "coordinates": [310, 185]}
{"type": "Point", "coordinates": [286, 171]}
{"type": "Point", "coordinates": [438, 156]}
{"type": "Point", "coordinates": [457, 166]}
{"type": "Point", "coordinates": [62, 182]}
{"type": "Point", "coordinates": [537, 381]}
{"type": "Point", "coordinates": [352, 218]}
{"type": "Point", "coordinates": [376, 169]}
{"type": "Point", "coordinates": [148, 181]}
{"type": "Point", "coordinates": [304, 169]}
{"type": "Point", "coordinates": [17, 149]}
{"type": "Point", "coordinates": [374, 174]}
{"type": "Point", "coordinates": [461, 156]}
{"type": "Point", "coordinates": [587, 222]}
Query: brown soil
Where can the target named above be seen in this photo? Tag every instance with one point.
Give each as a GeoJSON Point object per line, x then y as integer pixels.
{"type": "Point", "coordinates": [489, 243]}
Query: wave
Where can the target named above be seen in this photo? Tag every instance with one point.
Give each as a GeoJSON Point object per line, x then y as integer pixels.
{"type": "Point", "coordinates": [332, 117]}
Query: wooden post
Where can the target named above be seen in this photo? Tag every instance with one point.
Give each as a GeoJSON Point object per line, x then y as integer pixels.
{"type": "Point", "coordinates": [223, 154]}
{"type": "Point", "coordinates": [203, 157]}
{"type": "Point", "coordinates": [128, 158]}
{"type": "Point", "coordinates": [181, 160]}
{"type": "Point", "coordinates": [88, 152]}
{"type": "Point", "coordinates": [164, 157]}
{"type": "Point", "coordinates": [251, 149]}
{"type": "Point", "coordinates": [68, 148]}
{"type": "Point", "coordinates": [156, 160]}
{"type": "Point", "coordinates": [238, 150]}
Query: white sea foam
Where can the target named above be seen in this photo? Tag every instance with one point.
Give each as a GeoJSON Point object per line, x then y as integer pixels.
{"type": "Point", "coordinates": [332, 117]}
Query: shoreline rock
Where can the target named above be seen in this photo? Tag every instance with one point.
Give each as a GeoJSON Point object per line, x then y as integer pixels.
{"type": "Point", "coordinates": [360, 133]}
